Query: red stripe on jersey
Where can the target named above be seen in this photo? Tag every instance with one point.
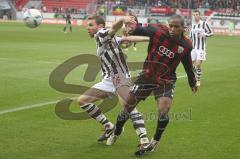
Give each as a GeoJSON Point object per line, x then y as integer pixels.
{"type": "Point", "coordinates": [162, 60]}
{"type": "Point", "coordinates": [155, 39]}
{"type": "Point", "coordinates": [174, 62]}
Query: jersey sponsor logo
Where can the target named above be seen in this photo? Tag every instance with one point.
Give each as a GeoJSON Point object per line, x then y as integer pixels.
{"type": "Point", "coordinates": [165, 51]}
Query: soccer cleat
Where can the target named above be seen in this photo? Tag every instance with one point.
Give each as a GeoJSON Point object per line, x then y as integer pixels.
{"type": "Point", "coordinates": [113, 138]}
{"type": "Point", "coordinates": [106, 134]}
{"type": "Point", "coordinates": [143, 149]}
{"type": "Point", "coordinates": [154, 144]}
{"type": "Point", "coordinates": [198, 83]}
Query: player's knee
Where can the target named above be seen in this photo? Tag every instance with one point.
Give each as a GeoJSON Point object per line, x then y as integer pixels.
{"type": "Point", "coordinates": [164, 105]}
{"type": "Point", "coordinates": [131, 101]}
{"type": "Point", "coordinates": [129, 109]}
{"type": "Point", "coordinates": [83, 100]}
{"type": "Point", "coordinates": [198, 63]}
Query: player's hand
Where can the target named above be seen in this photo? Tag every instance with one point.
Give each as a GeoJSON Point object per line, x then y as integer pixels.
{"type": "Point", "coordinates": [129, 19]}
{"type": "Point", "coordinates": [194, 89]}
{"type": "Point", "coordinates": [202, 35]}
{"type": "Point", "coordinates": [130, 24]}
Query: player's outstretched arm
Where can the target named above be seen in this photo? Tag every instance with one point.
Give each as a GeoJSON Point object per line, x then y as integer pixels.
{"type": "Point", "coordinates": [135, 38]}
{"type": "Point", "coordinates": [118, 25]}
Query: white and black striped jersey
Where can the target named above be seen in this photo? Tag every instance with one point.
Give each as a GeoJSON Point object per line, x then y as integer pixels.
{"type": "Point", "coordinates": [110, 54]}
{"type": "Point", "coordinates": [201, 28]}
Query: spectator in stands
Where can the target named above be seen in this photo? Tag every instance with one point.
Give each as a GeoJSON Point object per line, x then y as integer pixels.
{"type": "Point", "coordinates": [44, 8]}
{"type": "Point", "coordinates": [191, 4]}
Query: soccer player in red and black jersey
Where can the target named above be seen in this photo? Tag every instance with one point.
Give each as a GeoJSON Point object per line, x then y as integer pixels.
{"type": "Point", "coordinates": [167, 48]}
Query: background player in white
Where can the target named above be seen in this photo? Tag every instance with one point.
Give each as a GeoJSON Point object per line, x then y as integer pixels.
{"type": "Point", "coordinates": [200, 30]}
{"type": "Point", "coordinates": [116, 78]}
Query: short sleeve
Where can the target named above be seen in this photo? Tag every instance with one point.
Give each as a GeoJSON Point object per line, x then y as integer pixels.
{"type": "Point", "coordinates": [103, 36]}
{"type": "Point", "coordinates": [118, 40]}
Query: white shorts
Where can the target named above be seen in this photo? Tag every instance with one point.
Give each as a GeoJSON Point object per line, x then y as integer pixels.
{"type": "Point", "coordinates": [105, 85]}
{"type": "Point", "coordinates": [198, 55]}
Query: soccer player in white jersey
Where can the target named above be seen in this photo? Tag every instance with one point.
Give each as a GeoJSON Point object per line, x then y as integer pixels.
{"type": "Point", "coordinates": [200, 30]}
{"type": "Point", "coordinates": [116, 78]}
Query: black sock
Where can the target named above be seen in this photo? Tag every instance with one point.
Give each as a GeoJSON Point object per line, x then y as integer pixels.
{"type": "Point", "coordinates": [163, 121]}
{"type": "Point", "coordinates": [121, 120]}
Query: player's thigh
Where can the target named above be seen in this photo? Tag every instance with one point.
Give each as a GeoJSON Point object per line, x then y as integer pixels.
{"type": "Point", "coordinates": [198, 62]}
{"type": "Point", "coordinates": [163, 95]}
{"type": "Point", "coordinates": [126, 98]}
{"type": "Point", "coordinates": [92, 95]}
{"type": "Point", "coordinates": [194, 63]}
{"type": "Point", "coordinates": [194, 55]}
{"type": "Point", "coordinates": [201, 56]}
{"type": "Point", "coordinates": [123, 93]}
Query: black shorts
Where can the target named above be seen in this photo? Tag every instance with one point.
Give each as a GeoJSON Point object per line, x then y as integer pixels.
{"type": "Point", "coordinates": [144, 86]}
{"type": "Point", "coordinates": [68, 22]}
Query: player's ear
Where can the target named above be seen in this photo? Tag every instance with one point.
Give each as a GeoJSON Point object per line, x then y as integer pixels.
{"type": "Point", "coordinates": [100, 26]}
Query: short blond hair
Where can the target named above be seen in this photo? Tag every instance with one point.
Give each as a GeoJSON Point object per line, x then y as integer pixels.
{"type": "Point", "coordinates": [99, 19]}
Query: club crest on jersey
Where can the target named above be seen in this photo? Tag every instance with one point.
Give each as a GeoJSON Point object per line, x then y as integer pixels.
{"type": "Point", "coordinates": [180, 49]}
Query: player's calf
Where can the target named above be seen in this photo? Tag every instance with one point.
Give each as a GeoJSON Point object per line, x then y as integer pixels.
{"type": "Point", "coordinates": [94, 112]}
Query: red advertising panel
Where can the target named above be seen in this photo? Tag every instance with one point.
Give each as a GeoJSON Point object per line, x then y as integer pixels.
{"type": "Point", "coordinates": [185, 12]}
{"type": "Point", "coordinates": [162, 10]}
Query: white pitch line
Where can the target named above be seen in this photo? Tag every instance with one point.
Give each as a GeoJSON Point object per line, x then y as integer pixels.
{"type": "Point", "coordinates": [183, 76]}
{"type": "Point", "coordinates": [39, 62]}
{"type": "Point", "coordinates": [30, 106]}
{"type": "Point", "coordinates": [43, 104]}
{"type": "Point", "coordinates": [27, 107]}
{"type": "Point", "coordinates": [20, 60]}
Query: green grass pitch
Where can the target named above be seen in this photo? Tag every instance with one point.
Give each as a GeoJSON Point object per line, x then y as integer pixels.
{"type": "Point", "coordinates": [203, 126]}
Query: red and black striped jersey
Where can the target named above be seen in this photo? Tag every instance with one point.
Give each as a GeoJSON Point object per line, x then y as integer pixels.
{"type": "Point", "coordinates": [165, 54]}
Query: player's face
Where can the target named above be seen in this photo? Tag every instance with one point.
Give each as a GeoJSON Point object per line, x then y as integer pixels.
{"type": "Point", "coordinates": [130, 27]}
{"type": "Point", "coordinates": [196, 16]}
{"type": "Point", "coordinates": [175, 28]}
{"type": "Point", "coordinates": [92, 27]}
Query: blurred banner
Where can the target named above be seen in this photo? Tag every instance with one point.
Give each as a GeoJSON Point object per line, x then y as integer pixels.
{"type": "Point", "coordinates": [162, 11]}
{"type": "Point", "coordinates": [184, 12]}
{"type": "Point", "coordinates": [225, 26]}
{"type": "Point", "coordinates": [119, 10]}
{"type": "Point", "coordinates": [138, 12]}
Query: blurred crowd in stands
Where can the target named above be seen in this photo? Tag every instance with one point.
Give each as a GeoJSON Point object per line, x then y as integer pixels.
{"type": "Point", "coordinates": [191, 4]}
{"type": "Point", "coordinates": [105, 6]}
